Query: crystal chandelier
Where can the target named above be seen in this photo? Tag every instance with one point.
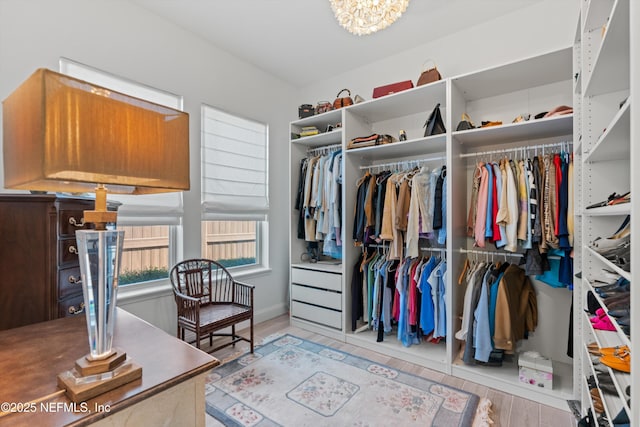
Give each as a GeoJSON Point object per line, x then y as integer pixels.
{"type": "Point", "coordinates": [367, 16]}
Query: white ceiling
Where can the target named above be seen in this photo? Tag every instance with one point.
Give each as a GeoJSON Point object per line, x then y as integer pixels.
{"type": "Point", "coordinates": [300, 41]}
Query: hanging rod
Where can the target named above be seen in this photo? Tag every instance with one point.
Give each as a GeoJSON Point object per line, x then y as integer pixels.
{"type": "Point", "coordinates": [473, 251]}
{"type": "Point", "coordinates": [405, 163]}
{"type": "Point", "coordinates": [324, 149]}
{"type": "Point", "coordinates": [385, 246]}
{"type": "Point", "coordinates": [516, 149]}
{"type": "Point", "coordinates": [434, 249]}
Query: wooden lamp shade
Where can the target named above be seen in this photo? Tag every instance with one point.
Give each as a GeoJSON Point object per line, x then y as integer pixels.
{"type": "Point", "coordinates": [64, 134]}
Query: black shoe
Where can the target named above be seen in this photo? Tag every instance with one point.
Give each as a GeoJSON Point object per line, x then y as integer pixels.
{"type": "Point", "coordinates": [620, 312]}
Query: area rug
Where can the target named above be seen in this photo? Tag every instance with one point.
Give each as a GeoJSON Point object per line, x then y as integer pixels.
{"type": "Point", "coordinates": [294, 382]}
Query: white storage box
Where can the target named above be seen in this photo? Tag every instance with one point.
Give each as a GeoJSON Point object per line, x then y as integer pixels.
{"type": "Point", "coordinates": [535, 370]}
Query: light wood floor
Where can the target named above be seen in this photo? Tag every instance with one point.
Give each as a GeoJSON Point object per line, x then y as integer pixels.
{"type": "Point", "coordinates": [508, 410]}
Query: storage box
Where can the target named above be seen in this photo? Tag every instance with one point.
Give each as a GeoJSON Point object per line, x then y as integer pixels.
{"type": "Point", "coordinates": [392, 88]}
{"type": "Point", "coordinates": [535, 370]}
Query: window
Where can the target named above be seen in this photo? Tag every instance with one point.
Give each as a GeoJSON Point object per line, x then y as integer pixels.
{"type": "Point", "coordinates": [235, 188]}
{"type": "Point", "coordinates": [150, 221]}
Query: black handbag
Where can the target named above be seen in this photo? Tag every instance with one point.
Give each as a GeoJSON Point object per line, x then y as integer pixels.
{"type": "Point", "coordinates": [434, 124]}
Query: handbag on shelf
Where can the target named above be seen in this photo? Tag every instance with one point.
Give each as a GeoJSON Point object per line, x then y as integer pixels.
{"type": "Point", "coordinates": [342, 101]}
{"type": "Point", "coordinates": [323, 107]}
{"type": "Point", "coordinates": [465, 123]}
{"type": "Point", "coordinates": [306, 110]}
{"type": "Point", "coordinates": [434, 124]}
{"type": "Point", "coordinates": [392, 88]}
{"type": "Point", "coordinates": [429, 75]}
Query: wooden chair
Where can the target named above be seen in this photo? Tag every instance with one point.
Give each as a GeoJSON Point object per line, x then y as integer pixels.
{"type": "Point", "coordinates": [209, 300]}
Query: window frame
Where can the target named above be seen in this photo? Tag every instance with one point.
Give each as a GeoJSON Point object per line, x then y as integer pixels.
{"type": "Point", "coordinates": [262, 226]}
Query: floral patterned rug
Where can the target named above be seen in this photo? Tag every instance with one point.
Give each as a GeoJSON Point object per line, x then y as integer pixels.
{"type": "Point", "coordinates": [294, 382]}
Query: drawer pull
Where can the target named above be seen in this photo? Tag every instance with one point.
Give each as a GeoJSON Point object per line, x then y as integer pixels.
{"type": "Point", "coordinates": [76, 310]}
{"type": "Point", "coordinates": [73, 250]}
{"type": "Point", "coordinates": [75, 223]}
{"type": "Point", "coordinates": [74, 279]}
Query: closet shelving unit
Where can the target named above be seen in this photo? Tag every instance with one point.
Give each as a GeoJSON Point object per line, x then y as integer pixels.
{"type": "Point", "coordinates": [502, 93]}
{"type": "Point", "coordinates": [387, 115]}
{"type": "Point", "coordinates": [607, 152]}
{"type": "Point", "coordinates": [531, 85]}
{"type": "Point", "coordinates": [316, 297]}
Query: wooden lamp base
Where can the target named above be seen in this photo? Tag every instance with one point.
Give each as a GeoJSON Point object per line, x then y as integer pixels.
{"type": "Point", "coordinates": [91, 378]}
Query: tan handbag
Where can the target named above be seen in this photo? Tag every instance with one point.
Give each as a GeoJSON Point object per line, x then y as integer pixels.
{"type": "Point", "coordinates": [342, 102]}
{"type": "Point", "coordinates": [429, 75]}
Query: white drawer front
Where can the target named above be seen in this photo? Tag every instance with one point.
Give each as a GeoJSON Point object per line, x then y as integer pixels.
{"type": "Point", "coordinates": [318, 279]}
{"type": "Point", "coordinates": [315, 314]}
{"type": "Point", "coordinates": [317, 296]}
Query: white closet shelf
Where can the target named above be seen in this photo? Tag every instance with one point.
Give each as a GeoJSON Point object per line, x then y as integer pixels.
{"type": "Point", "coordinates": [613, 144]}
{"type": "Point", "coordinates": [615, 210]}
{"type": "Point", "coordinates": [432, 356]}
{"type": "Point", "coordinates": [611, 69]}
{"type": "Point", "coordinates": [515, 76]}
{"type": "Point", "coordinates": [620, 379]}
{"type": "Point", "coordinates": [330, 117]}
{"type": "Point", "coordinates": [608, 263]}
{"type": "Point", "coordinates": [411, 101]}
{"type": "Point", "coordinates": [596, 15]}
{"type": "Point", "coordinates": [511, 132]}
{"type": "Point", "coordinates": [506, 378]}
{"type": "Point", "coordinates": [403, 149]}
{"type": "Point", "coordinates": [324, 138]}
{"type": "Point", "coordinates": [612, 404]}
{"type": "Point", "coordinates": [619, 339]}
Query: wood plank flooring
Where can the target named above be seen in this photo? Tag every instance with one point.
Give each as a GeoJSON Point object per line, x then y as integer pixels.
{"type": "Point", "coordinates": [508, 410]}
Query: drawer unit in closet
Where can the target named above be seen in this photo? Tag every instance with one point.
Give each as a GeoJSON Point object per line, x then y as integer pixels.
{"type": "Point", "coordinates": [316, 295]}
{"type": "Point", "coordinates": [38, 257]}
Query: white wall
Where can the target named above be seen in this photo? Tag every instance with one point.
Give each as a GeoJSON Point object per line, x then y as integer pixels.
{"type": "Point", "coordinates": [126, 40]}
{"type": "Point", "coordinates": [540, 28]}
{"type": "Point", "coordinates": [123, 39]}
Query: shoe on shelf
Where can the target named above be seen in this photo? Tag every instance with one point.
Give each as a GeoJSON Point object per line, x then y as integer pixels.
{"type": "Point", "coordinates": [620, 361]}
{"type": "Point", "coordinates": [603, 324]}
{"type": "Point", "coordinates": [625, 198]}
{"type": "Point", "coordinates": [620, 312]}
{"type": "Point", "coordinates": [604, 277]}
{"type": "Point", "coordinates": [614, 303]}
{"type": "Point", "coordinates": [606, 351]}
{"type": "Point", "coordinates": [624, 321]}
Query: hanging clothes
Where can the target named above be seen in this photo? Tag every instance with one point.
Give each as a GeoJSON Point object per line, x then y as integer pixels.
{"type": "Point", "coordinates": [318, 201]}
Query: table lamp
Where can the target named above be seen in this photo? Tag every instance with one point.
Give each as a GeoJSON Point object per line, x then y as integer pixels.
{"type": "Point", "coordinates": [66, 135]}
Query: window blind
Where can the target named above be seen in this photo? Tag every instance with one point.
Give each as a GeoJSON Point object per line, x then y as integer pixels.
{"type": "Point", "coordinates": [234, 167]}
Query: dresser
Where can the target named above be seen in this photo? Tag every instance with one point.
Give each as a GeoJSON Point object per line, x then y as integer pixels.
{"type": "Point", "coordinates": [39, 258]}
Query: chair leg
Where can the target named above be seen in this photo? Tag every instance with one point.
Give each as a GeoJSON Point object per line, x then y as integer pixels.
{"type": "Point", "coordinates": [233, 334]}
{"type": "Point", "coordinates": [211, 339]}
{"type": "Point", "coordinates": [251, 332]}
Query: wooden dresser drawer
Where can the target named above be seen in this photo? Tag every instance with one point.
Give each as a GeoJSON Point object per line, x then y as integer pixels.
{"type": "Point", "coordinates": [321, 297]}
{"type": "Point", "coordinates": [317, 279]}
{"type": "Point", "coordinates": [71, 307]}
{"type": "Point", "coordinates": [70, 221]}
{"type": "Point", "coordinates": [322, 316]}
{"type": "Point", "coordinates": [69, 282]}
{"type": "Point", "coordinates": [68, 253]}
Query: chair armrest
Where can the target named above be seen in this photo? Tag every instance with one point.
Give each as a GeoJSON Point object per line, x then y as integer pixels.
{"type": "Point", "coordinates": [188, 307]}
{"type": "Point", "coordinates": [244, 284]}
{"type": "Point", "coordinates": [243, 293]}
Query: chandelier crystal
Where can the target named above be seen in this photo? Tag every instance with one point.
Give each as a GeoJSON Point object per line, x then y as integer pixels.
{"type": "Point", "coordinates": [363, 17]}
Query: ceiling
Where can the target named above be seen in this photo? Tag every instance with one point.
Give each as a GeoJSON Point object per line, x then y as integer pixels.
{"type": "Point", "coordinates": [300, 41]}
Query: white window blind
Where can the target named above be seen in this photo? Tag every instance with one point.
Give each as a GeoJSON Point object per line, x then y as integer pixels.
{"type": "Point", "coordinates": [148, 209]}
{"type": "Point", "coordinates": [234, 167]}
